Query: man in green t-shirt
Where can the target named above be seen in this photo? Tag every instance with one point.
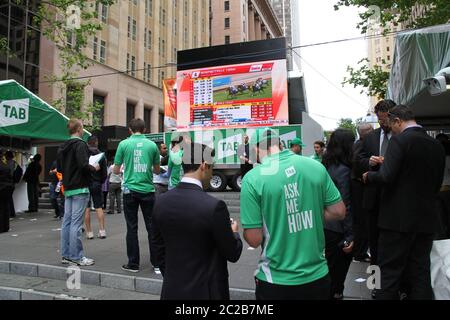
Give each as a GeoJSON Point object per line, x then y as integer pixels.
{"type": "Point", "coordinates": [140, 158]}
{"type": "Point", "coordinates": [283, 203]}
{"type": "Point", "coordinates": [296, 146]}
{"type": "Point", "coordinates": [175, 161]}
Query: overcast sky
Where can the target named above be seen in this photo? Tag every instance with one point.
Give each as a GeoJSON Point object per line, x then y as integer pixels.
{"type": "Point", "coordinates": [327, 101]}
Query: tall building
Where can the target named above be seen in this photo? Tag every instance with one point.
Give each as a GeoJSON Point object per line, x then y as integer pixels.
{"type": "Point", "coordinates": [235, 21]}
{"type": "Point", "coordinates": [131, 55]}
{"type": "Point", "coordinates": [287, 12]}
{"type": "Point", "coordinates": [22, 36]}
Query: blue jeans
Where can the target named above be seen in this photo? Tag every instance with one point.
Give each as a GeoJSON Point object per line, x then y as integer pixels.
{"type": "Point", "coordinates": [71, 245]}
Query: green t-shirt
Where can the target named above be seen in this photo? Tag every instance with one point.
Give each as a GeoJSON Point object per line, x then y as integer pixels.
{"type": "Point", "coordinates": [138, 155]}
{"type": "Point", "coordinates": [286, 196]}
{"type": "Point", "coordinates": [316, 157]}
{"type": "Point", "coordinates": [175, 168]}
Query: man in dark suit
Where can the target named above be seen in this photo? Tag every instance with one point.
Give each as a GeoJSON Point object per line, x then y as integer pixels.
{"type": "Point", "coordinates": [192, 236]}
{"type": "Point", "coordinates": [369, 158]}
{"type": "Point", "coordinates": [411, 174]}
{"type": "Point", "coordinates": [360, 218]}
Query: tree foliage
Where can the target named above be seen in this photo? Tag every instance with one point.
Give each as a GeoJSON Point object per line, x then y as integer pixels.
{"type": "Point", "coordinates": [347, 123]}
{"type": "Point", "coordinates": [373, 81]}
{"type": "Point", "coordinates": [394, 12]}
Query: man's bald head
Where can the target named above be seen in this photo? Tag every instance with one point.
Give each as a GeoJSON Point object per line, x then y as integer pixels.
{"type": "Point", "coordinates": [364, 129]}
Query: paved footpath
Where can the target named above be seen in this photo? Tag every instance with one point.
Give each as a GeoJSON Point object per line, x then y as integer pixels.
{"type": "Point", "coordinates": [34, 238]}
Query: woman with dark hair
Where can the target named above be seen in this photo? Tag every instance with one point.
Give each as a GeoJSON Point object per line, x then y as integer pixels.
{"type": "Point", "coordinates": [339, 234]}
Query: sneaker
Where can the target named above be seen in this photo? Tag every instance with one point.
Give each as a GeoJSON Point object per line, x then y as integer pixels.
{"type": "Point", "coordinates": [90, 235]}
{"type": "Point", "coordinates": [84, 262]}
{"type": "Point", "coordinates": [65, 260]}
{"type": "Point", "coordinates": [157, 270]}
{"type": "Point", "coordinates": [128, 268]}
{"type": "Point", "coordinates": [110, 212]}
{"type": "Point", "coordinates": [102, 234]}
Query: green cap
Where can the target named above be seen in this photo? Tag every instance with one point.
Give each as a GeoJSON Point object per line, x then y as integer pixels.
{"type": "Point", "coordinates": [263, 134]}
{"type": "Point", "coordinates": [297, 141]}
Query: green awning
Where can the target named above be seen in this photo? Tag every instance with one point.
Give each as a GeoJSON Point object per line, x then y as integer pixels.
{"type": "Point", "coordinates": [24, 115]}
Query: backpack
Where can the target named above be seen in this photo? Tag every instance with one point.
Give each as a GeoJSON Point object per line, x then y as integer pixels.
{"type": "Point", "coordinates": [17, 174]}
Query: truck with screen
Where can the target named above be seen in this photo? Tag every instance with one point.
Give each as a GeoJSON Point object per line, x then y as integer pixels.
{"type": "Point", "coordinates": [222, 93]}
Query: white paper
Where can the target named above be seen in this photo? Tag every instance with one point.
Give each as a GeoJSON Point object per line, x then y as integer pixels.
{"type": "Point", "coordinates": [94, 160]}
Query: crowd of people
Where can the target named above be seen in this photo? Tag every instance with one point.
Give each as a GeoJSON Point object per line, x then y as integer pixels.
{"type": "Point", "coordinates": [382, 198]}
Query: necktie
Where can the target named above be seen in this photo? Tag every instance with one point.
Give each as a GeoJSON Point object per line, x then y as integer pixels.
{"type": "Point", "coordinates": [384, 144]}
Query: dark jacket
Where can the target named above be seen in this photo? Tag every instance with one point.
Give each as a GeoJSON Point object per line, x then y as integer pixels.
{"type": "Point", "coordinates": [370, 147]}
{"type": "Point", "coordinates": [73, 163]}
{"type": "Point", "coordinates": [6, 177]}
{"type": "Point", "coordinates": [411, 175]}
{"type": "Point", "coordinates": [341, 176]}
{"type": "Point", "coordinates": [32, 173]}
{"type": "Point", "coordinates": [101, 175]}
{"type": "Point", "coordinates": [192, 241]}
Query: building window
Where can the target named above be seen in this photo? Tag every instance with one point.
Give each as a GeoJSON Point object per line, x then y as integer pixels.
{"type": "Point", "coordinates": [203, 25]}
{"type": "Point", "coordinates": [227, 23]}
{"type": "Point", "coordinates": [185, 38]}
{"type": "Point", "coordinates": [159, 46]}
{"type": "Point", "coordinates": [129, 26]}
{"type": "Point", "coordinates": [174, 55]}
{"type": "Point", "coordinates": [175, 27]}
{"type": "Point", "coordinates": [149, 73]}
{"type": "Point", "coordinates": [163, 17]}
{"type": "Point", "coordinates": [149, 7]}
{"type": "Point", "coordinates": [102, 51]}
{"type": "Point", "coordinates": [104, 13]}
{"type": "Point", "coordinates": [145, 72]}
{"type": "Point", "coordinates": [227, 39]}
{"type": "Point", "coordinates": [163, 48]}
{"type": "Point", "coordinates": [147, 119]}
{"type": "Point", "coordinates": [149, 40]}
{"type": "Point", "coordinates": [135, 2]}
{"type": "Point", "coordinates": [145, 38]}
{"type": "Point", "coordinates": [389, 58]}
{"type": "Point", "coordinates": [133, 66]}
{"type": "Point", "coordinates": [387, 49]}
{"type": "Point", "coordinates": [130, 112]}
{"type": "Point", "coordinates": [128, 63]}
{"type": "Point", "coordinates": [227, 6]}
{"type": "Point", "coordinates": [134, 29]}
{"type": "Point", "coordinates": [99, 114]}
{"type": "Point", "coordinates": [94, 48]}
{"type": "Point", "coordinates": [161, 123]}
{"type": "Point", "coordinates": [185, 8]}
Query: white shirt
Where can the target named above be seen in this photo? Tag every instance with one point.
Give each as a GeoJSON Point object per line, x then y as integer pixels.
{"type": "Point", "coordinates": [159, 178]}
{"type": "Point", "coordinates": [192, 181]}
{"type": "Point", "coordinates": [382, 137]}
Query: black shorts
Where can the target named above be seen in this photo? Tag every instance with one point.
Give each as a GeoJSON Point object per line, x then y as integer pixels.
{"type": "Point", "coordinates": [96, 195]}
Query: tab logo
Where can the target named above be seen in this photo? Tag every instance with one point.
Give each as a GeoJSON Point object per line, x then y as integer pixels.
{"type": "Point", "coordinates": [228, 146]}
{"type": "Point", "coordinates": [290, 172]}
{"type": "Point", "coordinates": [256, 68]}
{"type": "Point", "coordinates": [14, 112]}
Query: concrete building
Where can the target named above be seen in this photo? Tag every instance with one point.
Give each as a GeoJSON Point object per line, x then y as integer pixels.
{"type": "Point", "coordinates": [243, 20]}
{"type": "Point", "coordinates": [140, 38]}
{"type": "Point", "coordinates": [287, 12]}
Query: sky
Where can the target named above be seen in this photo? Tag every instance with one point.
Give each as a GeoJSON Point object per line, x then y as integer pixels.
{"type": "Point", "coordinates": [327, 100]}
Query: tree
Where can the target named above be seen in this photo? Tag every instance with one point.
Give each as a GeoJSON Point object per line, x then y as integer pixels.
{"type": "Point", "coordinates": [69, 24]}
{"type": "Point", "coordinates": [387, 12]}
{"type": "Point", "coordinates": [347, 123]}
{"type": "Point", "coordinates": [384, 14]}
{"type": "Point", "coordinates": [372, 80]}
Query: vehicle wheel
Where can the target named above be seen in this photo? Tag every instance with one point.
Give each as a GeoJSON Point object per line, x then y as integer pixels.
{"type": "Point", "coordinates": [218, 182]}
{"type": "Point", "coordinates": [236, 182]}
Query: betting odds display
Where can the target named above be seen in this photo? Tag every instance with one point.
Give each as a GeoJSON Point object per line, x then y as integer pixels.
{"type": "Point", "coordinates": [233, 96]}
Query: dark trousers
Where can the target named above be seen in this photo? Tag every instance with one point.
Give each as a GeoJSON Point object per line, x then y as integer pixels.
{"type": "Point", "coordinates": [12, 209]}
{"type": "Point", "coordinates": [131, 203]}
{"type": "Point", "coordinates": [54, 201]}
{"type": "Point", "coordinates": [245, 167]}
{"type": "Point", "coordinates": [33, 196]}
{"type": "Point", "coordinates": [374, 234]}
{"type": "Point", "coordinates": [4, 211]}
{"type": "Point", "coordinates": [404, 260]}
{"type": "Point", "coordinates": [338, 261]}
{"type": "Point", "coordinates": [105, 198]}
{"type": "Point", "coordinates": [316, 290]}
{"type": "Point", "coordinates": [360, 221]}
